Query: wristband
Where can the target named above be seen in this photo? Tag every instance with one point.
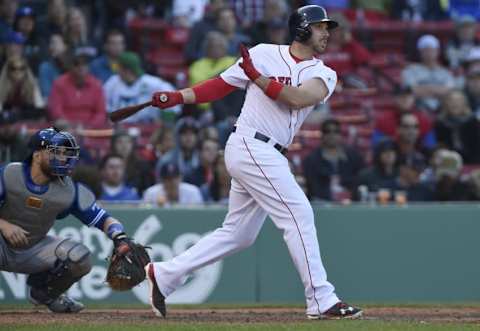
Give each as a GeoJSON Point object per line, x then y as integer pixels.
{"type": "Point", "coordinates": [114, 229]}
{"type": "Point", "coordinates": [273, 89]}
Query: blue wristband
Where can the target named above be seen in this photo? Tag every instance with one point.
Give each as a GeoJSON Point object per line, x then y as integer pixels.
{"type": "Point", "coordinates": [113, 229]}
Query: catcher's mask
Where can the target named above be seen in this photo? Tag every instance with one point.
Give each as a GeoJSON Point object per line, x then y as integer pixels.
{"type": "Point", "coordinates": [63, 150]}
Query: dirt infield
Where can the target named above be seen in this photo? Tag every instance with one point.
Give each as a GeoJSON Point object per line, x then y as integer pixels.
{"type": "Point", "coordinates": [246, 315]}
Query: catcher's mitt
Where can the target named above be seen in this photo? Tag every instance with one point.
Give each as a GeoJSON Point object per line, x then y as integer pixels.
{"type": "Point", "coordinates": [127, 265]}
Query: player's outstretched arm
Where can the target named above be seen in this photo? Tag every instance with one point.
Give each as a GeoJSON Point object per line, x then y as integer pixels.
{"type": "Point", "coordinates": [310, 93]}
{"type": "Point", "coordinates": [207, 91]}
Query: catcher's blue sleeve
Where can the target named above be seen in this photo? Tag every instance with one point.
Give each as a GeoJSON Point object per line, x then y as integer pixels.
{"type": "Point", "coordinates": [85, 208]}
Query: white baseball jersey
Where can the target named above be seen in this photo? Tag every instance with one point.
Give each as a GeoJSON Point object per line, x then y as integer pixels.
{"type": "Point", "coordinates": [118, 94]}
{"type": "Point", "coordinates": [262, 183]}
{"type": "Point", "coordinates": [268, 116]}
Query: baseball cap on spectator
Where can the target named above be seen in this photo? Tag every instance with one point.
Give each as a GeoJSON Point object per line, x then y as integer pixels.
{"type": "Point", "coordinates": [187, 123]}
{"type": "Point", "coordinates": [473, 55]}
{"type": "Point", "coordinates": [81, 55]}
{"type": "Point", "coordinates": [25, 11]}
{"type": "Point", "coordinates": [449, 163]}
{"type": "Point", "coordinates": [14, 37]}
{"type": "Point", "coordinates": [169, 170]}
{"type": "Point", "coordinates": [131, 61]}
{"type": "Point", "coordinates": [428, 41]}
{"type": "Point", "coordinates": [464, 20]}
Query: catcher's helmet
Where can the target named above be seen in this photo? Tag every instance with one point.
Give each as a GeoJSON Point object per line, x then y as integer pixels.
{"type": "Point", "coordinates": [62, 147]}
{"type": "Point", "coordinates": [300, 20]}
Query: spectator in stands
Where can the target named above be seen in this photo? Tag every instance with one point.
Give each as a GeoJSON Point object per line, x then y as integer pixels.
{"type": "Point", "coordinates": [248, 12]}
{"type": "Point", "coordinates": [218, 189]}
{"type": "Point", "coordinates": [462, 42]}
{"type": "Point", "coordinates": [215, 60]}
{"type": "Point", "coordinates": [409, 181]}
{"type": "Point", "coordinates": [331, 170]}
{"type": "Point", "coordinates": [408, 144]}
{"type": "Point", "coordinates": [387, 122]}
{"type": "Point", "coordinates": [276, 32]}
{"type": "Point", "coordinates": [263, 30]}
{"type": "Point", "coordinates": [187, 12]}
{"type": "Point", "coordinates": [13, 142]}
{"type": "Point", "coordinates": [344, 54]}
{"type": "Point", "coordinates": [213, 63]}
{"type": "Point", "coordinates": [186, 154]}
{"type": "Point", "coordinates": [172, 191]}
{"type": "Point", "coordinates": [457, 128]}
{"type": "Point", "coordinates": [193, 48]}
{"type": "Point", "coordinates": [161, 142]}
{"type": "Point", "coordinates": [77, 32]}
{"type": "Point", "coordinates": [106, 65]}
{"type": "Point", "coordinates": [12, 45]}
{"type": "Point", "coordinates": [139, 173]}
{"type": "Point", "coordinates": [384, 171]}
{"type": "Point", "coordinates": [448, 185]}
{"type": "Point", "coordinates": [114, 187]}
{"type": "Point", "coordinates": [55, 65]}
{"type": "Point", "coordinates": [416, 11]}
{"type": "Point", "coordinates": [472, 83]}
{"type": "Point", "coordinates": [19, 91]}
{"type": "Point", "coordinates": [133, 86]}
{"type": "Point", "coordinates": [25, 23]}
{"type": "Point", "coordinates": [77, 96]}
{"type": "Point", "coordinates": [7, 16]}
{"type": "Point", "coordinates": [428, 79]}
{"type": "Point", "coordinates": [56, 21]}
{"type": "Point", "coordinates": [227, 25]}
{"type": "Point", "coordinates": [203, 174]}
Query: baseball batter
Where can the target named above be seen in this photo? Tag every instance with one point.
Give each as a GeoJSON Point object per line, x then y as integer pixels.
{"type": "Point", "coordinates": [283, 84]}
{"type": "Point", "coordinates": [33, 194]}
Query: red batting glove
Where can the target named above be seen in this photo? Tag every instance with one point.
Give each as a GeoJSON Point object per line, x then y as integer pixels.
{"type": "Point", "coordinates": [247, 64]}
{"type": "Point", "coordinates": [167, 99]}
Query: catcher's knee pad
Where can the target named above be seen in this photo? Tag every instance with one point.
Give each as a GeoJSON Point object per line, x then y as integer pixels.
{"type": "Point", "coordinates": [73, 258]}
{"type": "Point", "coordinates": [72, 263]}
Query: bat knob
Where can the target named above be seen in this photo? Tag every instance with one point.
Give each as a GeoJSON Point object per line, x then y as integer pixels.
{"type": "Point", "coordinates": [163, 97]}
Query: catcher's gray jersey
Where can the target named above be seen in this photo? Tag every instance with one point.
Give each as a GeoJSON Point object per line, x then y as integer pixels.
{"type": "Point", "coordinates": [36, 207]}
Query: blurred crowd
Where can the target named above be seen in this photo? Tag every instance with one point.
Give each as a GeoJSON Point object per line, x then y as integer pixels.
{"type": "Point", "coordinates": [70, 63]}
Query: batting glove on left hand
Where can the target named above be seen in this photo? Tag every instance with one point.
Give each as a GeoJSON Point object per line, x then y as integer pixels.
{"type": "Point", "coordinates": [167, 99]}
{"type": "Point", "coordinates": [247, 64]}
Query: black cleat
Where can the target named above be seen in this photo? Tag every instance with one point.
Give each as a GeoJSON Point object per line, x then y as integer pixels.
{"type": "Point", "coordinates": [157, 300]}
{"type": "Point", "coordinates": [340, 310]}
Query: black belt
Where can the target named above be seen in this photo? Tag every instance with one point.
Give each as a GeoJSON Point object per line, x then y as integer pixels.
{"type": "Point", "coordinates": [266, 139]}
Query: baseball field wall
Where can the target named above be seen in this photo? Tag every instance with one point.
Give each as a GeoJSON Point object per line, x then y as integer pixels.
{"type": "Point", "coordinates": [423, 253]}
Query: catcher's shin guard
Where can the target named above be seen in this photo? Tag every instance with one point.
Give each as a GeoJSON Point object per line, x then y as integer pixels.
{"type": "Point", "coordinates": [72, 264]}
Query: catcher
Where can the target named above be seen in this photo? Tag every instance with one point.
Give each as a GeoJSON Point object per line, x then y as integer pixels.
{"type": "Point", "coordinates": [33, 194]}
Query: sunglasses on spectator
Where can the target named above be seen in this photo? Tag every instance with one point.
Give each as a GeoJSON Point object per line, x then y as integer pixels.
{"type": "Point", "coordinates": [16, 68]}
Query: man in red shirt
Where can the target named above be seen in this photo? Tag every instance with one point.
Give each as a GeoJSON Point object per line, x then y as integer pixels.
{"type": "Point", "coordinates": [388, 121]}
{"type": "Point", "coordinates": [77, 96]}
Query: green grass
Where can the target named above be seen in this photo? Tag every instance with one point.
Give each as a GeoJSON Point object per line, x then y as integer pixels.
{"type": "Point", "coordinates": [310, 326]}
